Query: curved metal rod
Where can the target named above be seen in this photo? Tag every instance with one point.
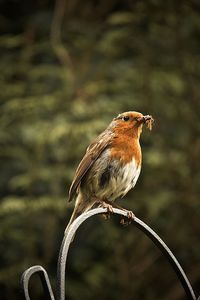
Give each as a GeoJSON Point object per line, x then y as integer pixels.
{"type": "Point", "coordinates": [139, 224]}
{"type": "Point", "coordinates": [26, 276]}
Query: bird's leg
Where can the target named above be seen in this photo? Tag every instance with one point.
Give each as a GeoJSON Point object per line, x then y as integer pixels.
{"type": "Point", "coordinates": [109, 207]}
{"type": "Point", "coordinates": [105, 204]}
{"type": "Point", "coordinates": [130, 215]}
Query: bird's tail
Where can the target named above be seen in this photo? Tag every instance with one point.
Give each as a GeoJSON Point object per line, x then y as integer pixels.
{"type": "Point", "coordinates": [80, 207]}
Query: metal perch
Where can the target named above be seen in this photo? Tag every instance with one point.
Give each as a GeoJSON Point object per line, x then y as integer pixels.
{"type": "Point", "coordinates": [61, 268]}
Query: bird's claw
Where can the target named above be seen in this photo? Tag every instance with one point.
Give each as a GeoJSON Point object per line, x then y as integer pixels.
{"type": "Point", "coordinates": [109, 209]}
{"type": "Point", "coordinates": [130, 217]}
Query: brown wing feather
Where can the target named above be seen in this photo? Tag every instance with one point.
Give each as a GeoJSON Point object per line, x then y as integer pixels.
{"type": "Point", "coordinates": [93, 152]}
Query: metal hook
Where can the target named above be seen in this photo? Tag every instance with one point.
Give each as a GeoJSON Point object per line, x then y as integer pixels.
{"type": "Point", "coordinates": [139, 224]}
{"type": "Point", "coordinates": [61, 267]}
{"type": "Point", "coordinates": [26, 276]}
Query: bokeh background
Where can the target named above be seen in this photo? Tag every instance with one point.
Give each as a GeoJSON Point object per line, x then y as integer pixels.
{"type": "Point", "coordinates": [67, 68]}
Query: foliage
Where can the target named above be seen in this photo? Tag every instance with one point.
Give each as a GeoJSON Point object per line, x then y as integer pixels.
{"type": "Point", "coordinates": [56, 96]}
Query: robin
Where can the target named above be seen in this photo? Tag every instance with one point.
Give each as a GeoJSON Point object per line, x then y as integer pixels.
{"type": "Point", "coordinates": [111, 165]}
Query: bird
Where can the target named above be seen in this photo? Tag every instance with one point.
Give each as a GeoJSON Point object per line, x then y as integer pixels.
{"type": "Point", "coordinates": [111, 165]}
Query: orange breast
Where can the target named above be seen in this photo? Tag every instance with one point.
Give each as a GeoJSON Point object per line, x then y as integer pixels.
{"type": "Point", "coordinates": [125, 147]}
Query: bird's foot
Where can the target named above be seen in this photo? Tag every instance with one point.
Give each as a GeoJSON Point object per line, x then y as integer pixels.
{"type": "Point", "coordinates": [109, 208]}
{"type": "Point", "coordinates": [130, 217]}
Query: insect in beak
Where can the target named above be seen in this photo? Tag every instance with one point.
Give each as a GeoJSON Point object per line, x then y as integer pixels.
{"type": "Point", "coordinates": [148, 120]}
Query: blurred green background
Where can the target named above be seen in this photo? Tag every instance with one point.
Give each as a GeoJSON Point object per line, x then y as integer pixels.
{"type": "Point", "coordinates": [67, 68]}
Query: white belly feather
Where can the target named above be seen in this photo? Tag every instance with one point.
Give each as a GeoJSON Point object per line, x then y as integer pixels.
{"type": "Point", "coordinates": [121, 180]}
{"type": "Point", "coordinates": [125, 180]}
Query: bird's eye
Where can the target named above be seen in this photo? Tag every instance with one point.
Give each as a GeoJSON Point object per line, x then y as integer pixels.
{"type": "Point", "coordinates": [126, 118]}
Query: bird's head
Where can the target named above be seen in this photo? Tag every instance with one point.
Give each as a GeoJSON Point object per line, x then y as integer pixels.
{"type": "Point", "coordinates": [132, 122]}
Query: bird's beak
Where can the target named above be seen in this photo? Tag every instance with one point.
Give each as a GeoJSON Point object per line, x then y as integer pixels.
{"type": "Point", "coordinates": [147, 120]}
{"type": "Point", "coordinates": [144, 119]}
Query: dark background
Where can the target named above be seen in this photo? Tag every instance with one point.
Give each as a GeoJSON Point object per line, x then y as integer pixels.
{"type": "Point", "coordinates": [66, 69]}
